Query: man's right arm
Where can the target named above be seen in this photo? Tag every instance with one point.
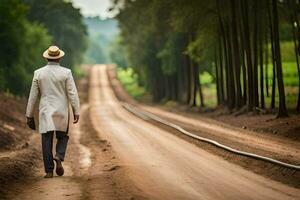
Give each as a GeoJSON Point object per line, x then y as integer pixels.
{"type": "Point", "coordinates": [33, 96]}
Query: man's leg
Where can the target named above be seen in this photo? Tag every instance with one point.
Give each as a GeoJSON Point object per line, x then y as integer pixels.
{"type": "Point", "coordinates": [61, 144]}
{"type": "Point", "coordinates": [47, 143]}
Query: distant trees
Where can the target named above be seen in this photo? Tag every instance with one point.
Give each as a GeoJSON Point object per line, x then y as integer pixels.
{"type": "Point", "coordinates": [117, 52]}
{"type": "Point", "coordinates": [27, 29]}
{"type": "Point", "coordinates": [102, 40]}
{"type": "Point", "coordinates": [95, 52]}
{"type": "Point", "coordinates": [169, 42]}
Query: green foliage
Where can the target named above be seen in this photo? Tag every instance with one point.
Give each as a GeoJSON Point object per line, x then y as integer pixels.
{"type": "Point", "coordinates": [64, 24]}
{"type": "Point", "coordinates": [28, 27]}
{"type": "Point", "coordinates": [287, 51]}
{"type": "Point", "coordinates": [12, 17]}
{"type": "Point", "coordinates": [209, 92]}
{"type": "Point", "coordinates": [171, 53]}
{"type": "Point", "coordinates": [78, 72]}
{"type": "Point", "coordinates": [206, 78]}
{"type": "Point", "coordinates": [129, 79]}
{"type": "Point", "coordinates": [37, 40]}
{"type": "Point", "coordinates": [290, 74]}
{"type": "Point", "coordinates": [29, 40]}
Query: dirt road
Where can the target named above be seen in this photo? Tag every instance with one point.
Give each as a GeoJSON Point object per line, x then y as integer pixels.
{"type": "Point", "coordinates": [166, 167]}
{"type": "Point", "coordinates": [115, 155]}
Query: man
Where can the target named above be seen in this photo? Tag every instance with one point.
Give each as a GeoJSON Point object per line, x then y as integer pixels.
{"type": "Point", "coordinates": [55, 87]}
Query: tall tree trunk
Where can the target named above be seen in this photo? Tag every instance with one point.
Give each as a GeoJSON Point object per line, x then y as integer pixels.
{"type": "Point", "coordinates": [267, 63]}
{"type": "Point", "coordinates": [294, 22]}
{"type": "Point", "coordinates": [221, 79]}
{"type": "Point", "coordinates": [167, 95]}
{"type": "Point", "coordinates": [195, 84]}
{"type": "Point", "coordinates": [261, 72]}
{"type": "Point", "coordinates": [199, 86]}
{"type": "Point", "coordinates": [224, 42]}
{"type": "Point", "coordinates": [236, 55]}
{"type": "Point", "coordinates": [245, 18]}
{"type": "Point", "coordinates": [244, 70]}
{"type": "Point", "coordinates": [273, 92]}
{"type": "Point", "coordinates": [231, 75]}
{"type": "Point", "coordinates": [255, 53]}
{"type": "Point", "coordinates": [282, 112]}
{"type": "Point", "coordinates": [261, 54]}
{"type": "Point", "coordinates": [218, 85]}
{"type": "Point", "coordinates": [183, 80]}
{"type": "Point", "coordinates": [175, 87]}
{"type": "Point", "coordinates": [189, 79]}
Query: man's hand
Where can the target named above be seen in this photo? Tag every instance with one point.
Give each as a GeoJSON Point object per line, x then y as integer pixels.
{"type": "Point", "coordinates": [31, 123]}
{"type": "Point", "coordinates": [76, 119]}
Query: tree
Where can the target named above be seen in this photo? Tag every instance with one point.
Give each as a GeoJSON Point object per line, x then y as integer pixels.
{"type": "Point", "coordinates": [22, 43]}
{"type": "Point", "coordinates": [65, 25]}
{"type": "Point", "coordinates": [118, 52]}
{"type": "Point", "coordinates": [282, 106]}
{"type": "Point", "coordinates": [233, 40]}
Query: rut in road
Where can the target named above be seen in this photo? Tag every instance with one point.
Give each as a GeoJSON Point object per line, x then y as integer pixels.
{"type": "Point", "coordinates": [164, 166]}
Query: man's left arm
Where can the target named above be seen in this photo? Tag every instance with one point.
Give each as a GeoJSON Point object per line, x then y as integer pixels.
{"type": "Point", "coordinates": [73, 96]}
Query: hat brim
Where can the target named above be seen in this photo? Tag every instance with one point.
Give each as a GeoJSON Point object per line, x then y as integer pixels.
{"type": "Point", "coordinates": [46, 55]}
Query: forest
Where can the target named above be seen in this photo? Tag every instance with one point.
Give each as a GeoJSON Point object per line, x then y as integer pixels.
{"type": "Point", "coordinates": [28, 27]}
{"type": "Point", "coordinates": [249, 48]}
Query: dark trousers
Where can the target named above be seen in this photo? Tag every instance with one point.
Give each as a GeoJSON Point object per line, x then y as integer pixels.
{"type": "Point", "coordinates": [47, 145]}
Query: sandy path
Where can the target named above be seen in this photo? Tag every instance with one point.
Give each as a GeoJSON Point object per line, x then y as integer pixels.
{"type": "Point", "coordinates": [164, 166]}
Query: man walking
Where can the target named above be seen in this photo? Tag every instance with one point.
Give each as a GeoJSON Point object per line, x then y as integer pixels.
{"type": "Point", "coordinates": [55, 87]}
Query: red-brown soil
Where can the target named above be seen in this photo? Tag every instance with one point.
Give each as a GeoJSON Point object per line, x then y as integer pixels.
{"type": "Point", "coordinates": [18, 155]}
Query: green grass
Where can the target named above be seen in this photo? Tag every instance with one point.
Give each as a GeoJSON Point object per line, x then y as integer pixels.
{"type": "Point", "coordinates": [78, 72]}
{"type": "Point", "coordinates": [290, 79]}
{"type": "Point", "coordinates": [209, 95]}
{"type": "Point", "coordinates": [129, 80]}
{"type": "Point", "coordinates": [290, 74]}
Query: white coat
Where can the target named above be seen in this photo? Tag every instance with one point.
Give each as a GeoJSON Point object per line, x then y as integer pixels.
{"type": "Point", "coordinates": [55, 87]}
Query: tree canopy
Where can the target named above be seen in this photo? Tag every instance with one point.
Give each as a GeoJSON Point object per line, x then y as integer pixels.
{"type": "Point", "coordinates": [29, 27]}
{"type": "Point", "coordinates": [171, 43]}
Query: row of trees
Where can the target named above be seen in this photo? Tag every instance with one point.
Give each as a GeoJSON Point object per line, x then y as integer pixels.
{"type": "Point", "coordinates": [28, 27]}
{"type": "Point", "coordinates": [169, 42]}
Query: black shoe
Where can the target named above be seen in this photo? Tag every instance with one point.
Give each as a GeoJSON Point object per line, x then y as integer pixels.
{"type": "Point", "coordinates": [49, 175]}
{"type": "Point", "coordinates": [59, 168]}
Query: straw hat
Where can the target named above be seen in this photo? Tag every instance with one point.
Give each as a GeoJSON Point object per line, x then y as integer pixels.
{"type": "Point", "coordinates": [53, 52]}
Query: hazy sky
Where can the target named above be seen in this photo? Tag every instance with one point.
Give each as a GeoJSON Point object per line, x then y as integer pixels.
{"type": "Point", "coordinates": [93, 7]}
